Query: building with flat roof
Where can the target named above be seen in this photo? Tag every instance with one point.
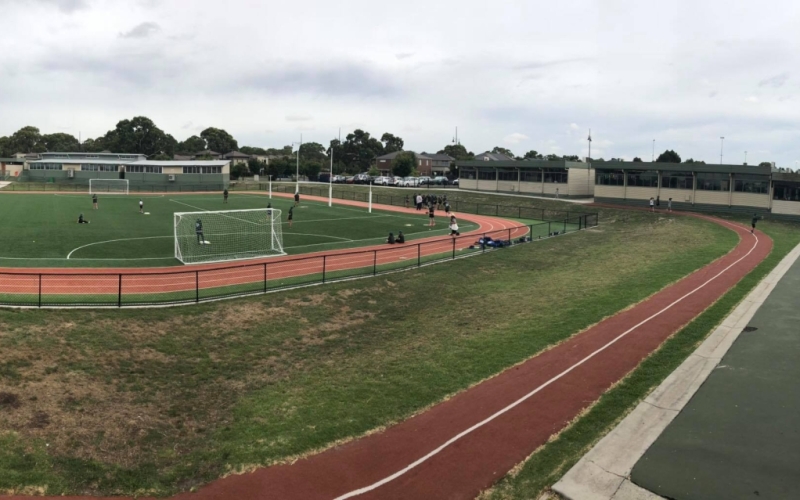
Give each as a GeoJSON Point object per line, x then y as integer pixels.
{"type": "Point", "coordinates": [561, 178]}
{"type": "Point", "coordinates": [79, 168]}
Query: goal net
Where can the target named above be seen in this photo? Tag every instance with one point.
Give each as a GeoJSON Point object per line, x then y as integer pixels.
{"type": "Point", "coordinates": [108, 186]}
{"type": "Point", "coordinates": [202, 237]}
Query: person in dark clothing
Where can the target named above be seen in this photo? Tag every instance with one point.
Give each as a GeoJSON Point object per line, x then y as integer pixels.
{"type": "Point", "coordinates": [406, 201]}
{"type": "Point", "coordinates": [290, 216]}
{"type": "Point", "coordinates": [753, 222]}
{"type": "Point", "coordinates": [297, 198]}
{"type": "Point", "coordinates": [198, 229]}
{"type": "Point", "coordinates": [225, 196]}
{"type": "Point", "coordinates": [400, 237]}
{"type": "Point", "coordinates": [431, 215]}
{"type": "Point", "coordinates": [390, 240]}
{"type": "Point", "coordinates": [81, 220]}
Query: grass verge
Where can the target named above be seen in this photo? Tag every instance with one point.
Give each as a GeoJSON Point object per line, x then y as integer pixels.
{"type": "Point", "coordinates": [159, 401]}
{"type": "Point", "coordinates": [550, 462]}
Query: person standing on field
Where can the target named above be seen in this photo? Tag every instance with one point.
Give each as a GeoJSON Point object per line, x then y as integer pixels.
{"type": "Point", "coordinates": [297, 198]}
{"type": "Point", "coordinates": [652, 204]}
{"type": "Point", "coordinates": [431, 215]}
{"type": "Point", "coordinates": [419, 202]}
{"type": "Point", "coordinates": [669, 205]}
{"type": "Point", "coordinates": [225, 196]}
{"type": "Point", "coordinates": [94, 201]}
{"type": "Point", "coordinates": [291, 214]}
{"type": "Point", "coordinates": [753, 223]}
{"type": "Point", "coordinates": [141, 206]}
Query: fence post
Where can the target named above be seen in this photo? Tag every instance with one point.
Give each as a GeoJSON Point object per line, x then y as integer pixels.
{"type": "Point", "coordinates": [509, 234]}
{"type": "Point", "coordinates": [40, 290]}
{"type": "Point", "coordinates": [419, 254]}
{"type": "Point", "coordinates": [324, 265]}
{"type": "Point", "coordinates": [549, 230]}
{"type": "Point", "coordinates": [197, 286]}
{"type": "Point", "coordinates": [374, 262]}
{"type": "Point", "coordinates": [454, 248]}
{"type": "Point", "coordinates": [265, 277]}
{"type": "Point", "coordinates": [119, 292]}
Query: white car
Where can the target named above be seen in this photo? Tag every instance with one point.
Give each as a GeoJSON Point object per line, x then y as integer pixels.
{"type": "Point", "coordinates": [411, 182]}
{"type": "Point", "coordinates": [381, 181]}
{"type": "Point", "coordinates": [397, 181]}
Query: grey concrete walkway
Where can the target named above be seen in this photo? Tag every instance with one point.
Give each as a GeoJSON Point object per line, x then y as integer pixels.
{"type": "Point", "coordinates": [738, 437]}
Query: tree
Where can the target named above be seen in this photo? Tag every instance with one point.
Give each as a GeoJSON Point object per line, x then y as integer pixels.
{"type": "Point", "coordinates": [312, 151]}
{"type": "Point", "coordinates": [373, 171]}
{"type": "Point", "coordinates": [637, 160]}
{"type": "Point", "coordinates": [532, 155]}
{"type": "Point", "coordinates": [219, 140]}
{"type": "Point", "coordinates": [552, 157]}
{"type": "Point", "coordinates": [572, 158]}
{"type": "Point", "coordinates": [311, 168]}
{"type": "Point", "coordinates": [239, 170]}
{"type": "Point", "coordinates": [359, 149]}
{"type": "Point", "coordinates": [765, 164]}
{"type": "Point", "coordinates": [337, 150]}
{"type": "Point", "coordinates": [503, 151]}
{"type": "Point", "coordinates": [391, 143]}
{"type": "Point", "coordinates": [250, 150]}
{"type": "Point", "coordinates": [669, 156]}
{"type": "Point", "coordinates": [255, 165]}
{"type": "Point", "coordinates": [4, 147]}
{"type": "Point", "coordinates": [692, 160]}
{"type": "Point", "coordinates": [93, 145]}
{"type": "Point", "coordinates": [404, 164]}
{"type": "Point", "coordinates": [26, 140]}
{"type": "Point", "coordinates": [617, 159]}
{"type": "Point", "coordinates": [458, 152]}
{"type": "Point", "coordinates": [138, 135]}
{"type": "Point", "coordinates": [60, 142]}
{"type": "Point", "coordinates": [192, 145]}
{"type": "Point", "coordinates": [285, 151]}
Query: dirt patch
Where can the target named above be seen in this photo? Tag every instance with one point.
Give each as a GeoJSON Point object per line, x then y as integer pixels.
{"type": "Point", "coordinates": [9, 400]}
{"type": "Point", "coordinates": [39, 420]}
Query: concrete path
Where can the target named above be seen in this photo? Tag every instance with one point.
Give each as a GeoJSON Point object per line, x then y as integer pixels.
{"type": "Point", "coordinates": [736, 438]}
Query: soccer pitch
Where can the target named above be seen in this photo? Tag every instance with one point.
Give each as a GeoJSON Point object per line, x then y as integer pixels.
{"type": "Point", "coordinates": [41, 230]}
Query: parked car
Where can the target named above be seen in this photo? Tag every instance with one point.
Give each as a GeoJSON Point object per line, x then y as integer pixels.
{"type": "Point", "coordinates": [397, 181]}
{"type": "Point", "coordinates": [455, 182]}
{"type": "Point", "coordinates": [350, 180]}
{"type": "Point", "coordinates": [440, 181]}
{"type": "Point", "coordinates": [339, 179]}
{"type": "Point", "coordinates": [382, 181]}
{"type": "Point", "coordinates": [362, 179]}
{"type": "Point", "coordinates": [324, 177]}
{"type": "Point", "coordinates": [423, 180]}
{"type": "Point", "coordinates": [411, 182]}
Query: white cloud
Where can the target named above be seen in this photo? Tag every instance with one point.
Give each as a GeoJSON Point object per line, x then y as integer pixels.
{"type": "Point", "coordinates": [142, 30]}
{"type": "Point", "coordinates": [752, 98]}
{"type": "Point", "coordinates": [515, 138]}
{"type": "Point", "coordinates": [573, 126]}
{"type": "Point", "coordinates": [299, 118]}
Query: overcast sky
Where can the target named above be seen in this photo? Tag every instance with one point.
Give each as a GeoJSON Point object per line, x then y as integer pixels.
{"type": "Point", "coordinates": [521, 74]}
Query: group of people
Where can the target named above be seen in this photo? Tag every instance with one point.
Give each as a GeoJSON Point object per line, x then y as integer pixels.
{"type": "Point", "coordinates": [656, 202]}
{"type": "Point", "coordinates": [429, 200]}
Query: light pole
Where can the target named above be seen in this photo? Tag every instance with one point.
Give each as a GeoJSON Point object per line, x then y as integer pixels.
{"type": "Point", "coordinates": [653, 159]}
{"type": "Point", "coordinates": [745, 157]}
{"type": "Point", "coordinates": [721, 144]}
{"type": "Point", "coordinates": [297, 176]}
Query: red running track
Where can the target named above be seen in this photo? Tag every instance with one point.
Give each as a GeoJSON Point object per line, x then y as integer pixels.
{"type": "Point", "coordinates": [463, 445]}
{"type": "Point", "coordinates": [92, 281]}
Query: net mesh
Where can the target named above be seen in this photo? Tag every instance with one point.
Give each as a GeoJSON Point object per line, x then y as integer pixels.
{"type": "Point", "coordinates": [227, 235]}
{"type": "Point", "coordinates": [108, 186]}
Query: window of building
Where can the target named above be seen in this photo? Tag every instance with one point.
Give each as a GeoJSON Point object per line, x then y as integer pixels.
{"type": "Point", "coordinates": [786, 192]}
{"type": "Point", "coordinates": [94, 167]}
{"type": "Point", "coordinates": [610, 178]}
{"type": "Point", "coordinates": [486, 175]}
{"type": "Point", "coordinates": [202, 170]}
{"type": "Point", "coordinates": [713, 182]}
{"type": "Point", "coordinates": [555, 175]}
{"type": "Point", "coordinates": [45, 166]}
{"type": "Point", "coordinates": [143, 169]}
{"type": "Point", "coordinates": [467, 174]}
{"type": "Point", "coordinates": [750, 184]}
{"type": "Point", "coordinates": [677, 180]}
{"type": "Point", "coordinates": [507, 175]}
{"type": "Point", "coordinates": [642, 178]}
{"type": "Point", "coordinates": [532, 175]}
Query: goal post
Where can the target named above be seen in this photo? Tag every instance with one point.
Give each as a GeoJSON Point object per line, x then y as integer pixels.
{"type": "Point", "coordinates": [108, 186]}
{"type": "Point", "coordinates": [225, 235]}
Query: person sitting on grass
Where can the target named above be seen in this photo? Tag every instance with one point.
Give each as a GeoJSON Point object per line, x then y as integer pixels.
{"type": "Point", "coordinates": [81, 220]}
{"type": "Point", "coordinates": [400, 237]}
{"type": "Point", "coordinates": [390, 240]}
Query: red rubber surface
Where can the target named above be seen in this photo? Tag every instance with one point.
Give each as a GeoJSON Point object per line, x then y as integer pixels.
{"type": "Point", "coordinates": [477, 460]}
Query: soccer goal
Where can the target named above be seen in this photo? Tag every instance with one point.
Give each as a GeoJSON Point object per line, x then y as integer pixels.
{"type": "Point", "coordinates": [108, 186]}
{"type": "Point", "coordinates": [225, 235]}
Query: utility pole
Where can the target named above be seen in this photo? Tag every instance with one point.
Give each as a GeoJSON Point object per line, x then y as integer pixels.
{"type": "Point", "coordinates": [653, 159]}
{"type": "Point", "coordinates": [721, 144]}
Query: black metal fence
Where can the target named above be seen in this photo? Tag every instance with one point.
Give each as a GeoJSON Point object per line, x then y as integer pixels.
{"type": "Point", "coordinates": [34, 186]}
{"type": "Point", "coordinates": [405, 199]}
{"type": "Point", "coordinates": [141, 289]}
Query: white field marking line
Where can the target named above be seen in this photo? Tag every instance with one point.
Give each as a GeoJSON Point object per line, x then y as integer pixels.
{"type": "Point", "coordinates": [538, 389]}
{"type": "Point", "coordinates": [113, 241]}
{"type": "Point", "coordinates": [381, 238]}
{"type": "Point", "coordinates": [321, 236]}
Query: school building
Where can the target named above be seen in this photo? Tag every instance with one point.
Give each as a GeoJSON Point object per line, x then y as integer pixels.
{"type": "Point", "coordinates": [569, 179]}
{"type": "Point", "coordinates": [79, 168]}
{"type": "Point", "coordinates": [700, 187]}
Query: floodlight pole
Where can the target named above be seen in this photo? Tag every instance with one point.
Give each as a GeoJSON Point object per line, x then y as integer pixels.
{"type": "Point", "coordinates": [270, 186]}
{"type": "Point", "coordinates": [297, 178]}
{"type": "Point", "coordinates": [721, 144]}
{"type": "Point", "coordinates": [370, 196]}
{"type": "Point", "coordinates": [653, 158]}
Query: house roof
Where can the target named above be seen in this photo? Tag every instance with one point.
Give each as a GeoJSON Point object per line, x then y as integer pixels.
{"type": "Point", "coordinates": [207, 152]}
{"type": "Point", "coordinates": [493, 157]}
{"type": "Point", "coordinates": [171, 163]}
{"type": "Point", "coordinates": [393, 155]}
{"type": "Point", "coordinates": [235, 154]}
{"type": "Point", "coordinates": [182, 157]}
{"type": "Point", "coordinates": [439, 156]}
{"type": "Point", "coordinates": [682, 167]}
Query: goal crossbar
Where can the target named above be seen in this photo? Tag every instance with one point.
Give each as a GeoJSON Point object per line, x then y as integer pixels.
{"type": "Point", "coordinates": [226, 235]}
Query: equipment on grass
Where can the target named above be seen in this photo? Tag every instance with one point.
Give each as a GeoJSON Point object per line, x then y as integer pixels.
{"type": "Point", "coordinates": [228, 235]}
{"type": "Point", "coordinates": [108, 186]}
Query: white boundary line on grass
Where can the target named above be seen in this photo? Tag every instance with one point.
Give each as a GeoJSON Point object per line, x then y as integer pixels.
{"type": "Point", "coordinates": [519, 401]}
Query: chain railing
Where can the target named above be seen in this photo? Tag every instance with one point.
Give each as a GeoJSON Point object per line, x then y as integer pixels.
{"type": "Point", "coordinates": [171, 287]}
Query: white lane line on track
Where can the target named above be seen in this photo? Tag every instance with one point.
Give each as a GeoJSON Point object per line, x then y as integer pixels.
{"type": "Point", "coordinates": [519, 401]}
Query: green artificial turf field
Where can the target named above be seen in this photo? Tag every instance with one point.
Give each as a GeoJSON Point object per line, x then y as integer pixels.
{"type": "Point", "coordinates": [41, 229]}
